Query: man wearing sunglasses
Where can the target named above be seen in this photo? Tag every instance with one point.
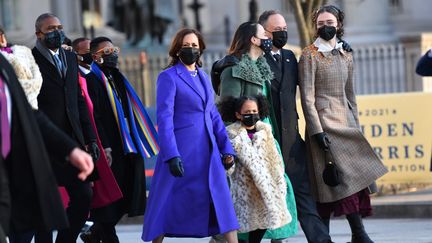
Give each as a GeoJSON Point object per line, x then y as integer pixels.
{"type": "Point", "coordinates": [61, 100]}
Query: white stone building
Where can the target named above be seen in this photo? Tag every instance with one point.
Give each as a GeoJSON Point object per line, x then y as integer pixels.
{"type": "Point", "coordinates": [388, 35]}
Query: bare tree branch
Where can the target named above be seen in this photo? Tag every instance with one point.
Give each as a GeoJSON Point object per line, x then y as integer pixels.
{"type": "Point", "coordinates": [303, 11]}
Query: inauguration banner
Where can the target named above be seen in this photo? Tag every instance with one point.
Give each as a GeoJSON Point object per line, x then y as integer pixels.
{"type": "Point", "coordinates": [399, 128]}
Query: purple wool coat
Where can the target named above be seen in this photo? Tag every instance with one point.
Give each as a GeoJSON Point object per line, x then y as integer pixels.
{"type": "Point", "coordinates": [199, 203]}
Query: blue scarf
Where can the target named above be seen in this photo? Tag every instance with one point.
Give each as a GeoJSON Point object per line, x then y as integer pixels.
{"type": "Point", "coordinates": [141, 136]}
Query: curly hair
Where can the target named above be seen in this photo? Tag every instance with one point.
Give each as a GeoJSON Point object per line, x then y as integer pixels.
{"type": "Point", "coordinates": [340, 16]}
{"type": "Point", "coordinates": [229, 105]}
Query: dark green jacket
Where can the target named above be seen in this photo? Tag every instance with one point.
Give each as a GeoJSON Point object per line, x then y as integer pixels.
{"type": "Point", "coordinates": [245, 78]}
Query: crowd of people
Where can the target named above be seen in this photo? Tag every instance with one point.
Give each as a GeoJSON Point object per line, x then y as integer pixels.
{"type": "Point", "coordinates": [74, 135]}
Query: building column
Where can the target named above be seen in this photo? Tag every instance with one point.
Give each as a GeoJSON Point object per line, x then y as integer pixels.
{"type": "Point", "coordinates": [367, 21]}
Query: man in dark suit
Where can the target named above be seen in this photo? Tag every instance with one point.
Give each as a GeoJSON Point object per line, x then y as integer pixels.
{"type": "Point", "coordinates": [283, 91]}
{"type": "Point", "coordinates": [61, 100]}
{"type": "Point", "coordinates": [29, 199]}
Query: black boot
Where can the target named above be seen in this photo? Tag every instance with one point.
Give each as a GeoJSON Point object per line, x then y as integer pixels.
{"type": "Point", "coordinates": [92, 235]}
{"type": "Point", "coordinates": [359, 234]}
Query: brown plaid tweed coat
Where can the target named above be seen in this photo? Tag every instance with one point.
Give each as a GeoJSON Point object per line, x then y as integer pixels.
{"type": "Point", "coordinates": [329, 105]}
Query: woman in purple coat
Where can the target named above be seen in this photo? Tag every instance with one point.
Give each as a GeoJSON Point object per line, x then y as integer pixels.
{"type": "Point", "coordinates": [189, 194]}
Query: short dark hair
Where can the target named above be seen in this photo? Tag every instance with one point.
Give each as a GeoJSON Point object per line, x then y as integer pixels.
{"type": "Point", "coordinates": [241, 42]}
{"type": "Point", "coordinates": [177, 44]}
{"type": "Point", "coordinates": [2, 30]}
{"type": "Point", "coordinates": [41, 18]}
{"type": "Point", "coordinates": [229, 105]}
{"type": "Point", "coordinates": [76, 42]}
{"type": "Point", "coordinates": [262, 20]}
{"type": "Point", "coordinates": [95, 43]}
{"type": "Point", "coordinates": [336, 12]}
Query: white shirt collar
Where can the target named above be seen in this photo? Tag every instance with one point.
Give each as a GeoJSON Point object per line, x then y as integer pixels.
{"type": "Point", "coordinates": [275, 52]}
{"type": "Point", "coordinates": [324, 46]}
{"type": "Point", "coordinates": [83, 69]}
{"type": "Point", "coordinates": [54, 52]}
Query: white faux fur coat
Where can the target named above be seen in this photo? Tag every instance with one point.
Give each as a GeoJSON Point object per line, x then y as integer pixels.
{"type": "Point", "coordinates": [258, 187]}
{"type": "Point", "coordinates": [27, 71]}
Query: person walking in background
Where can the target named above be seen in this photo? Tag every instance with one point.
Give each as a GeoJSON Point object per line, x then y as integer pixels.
{"type": "Point", "coordinates": [61, 100]}
{"type": "Point", "coordinates": [82, 48]}
{"type": "Point", "coordinates": [105, 189]}
{"type": "Point", "coordinates": [189, 194]}
{"type": "Point", "coordinates": [127, 135]}
{"type": "Point", "coordinates": [332, 126]}
{"type": "Point", "coordinates": [258, 186]}
{"type": "Point", "coordinates": [283, 64]}
{"type": "Point", "coordinates": [251, 76]}
{"type": "Point", "coordinates": [29, 200]}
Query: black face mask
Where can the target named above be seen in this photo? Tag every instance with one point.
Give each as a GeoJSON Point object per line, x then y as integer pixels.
{"type": "Point", "coordinates": [266, 45]}
{"type": "Point", "coordinates": [189, 55]}
{"type": "Point", "coordinates": [54, 39]}
{"type": "Point", "coordinates": [280, 38]}
{"type": "Point", "coordinates": [327, 32]}
{"type": "Point", "coordinates": [87, 58]}
{"type": "Point", "coordinates": [250, 119]}
{"type": "Point", "coordinates": [110, 61]}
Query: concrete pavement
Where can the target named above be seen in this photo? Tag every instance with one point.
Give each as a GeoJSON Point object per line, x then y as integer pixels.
{"type": "Point", "coordinates": [380, 230]}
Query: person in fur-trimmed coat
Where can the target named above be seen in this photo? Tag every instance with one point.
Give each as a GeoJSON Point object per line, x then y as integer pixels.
{"type": "Point", "coordinates": [25, 67]}
{"type": "Point", "coordinates": [258, 186]}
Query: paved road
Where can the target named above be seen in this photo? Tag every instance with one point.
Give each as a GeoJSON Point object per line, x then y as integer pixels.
{"type": "Point", "coordinates": [380, 230]}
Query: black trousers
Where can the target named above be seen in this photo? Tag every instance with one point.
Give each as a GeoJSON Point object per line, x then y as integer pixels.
{"type": "Point", "coordinates": [80, 196]}
{"type": "Point", "coordinates": [313, 227]}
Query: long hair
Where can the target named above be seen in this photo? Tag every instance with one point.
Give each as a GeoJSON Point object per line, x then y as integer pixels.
{"type": "Point", "coordinates": [241, 42]}
{"type": "Point", "coordinates": [340, 16]}
{"type": "Point", "coordinates": [177, 44]}
{"type": "Point", "coordinates": [229, 105]}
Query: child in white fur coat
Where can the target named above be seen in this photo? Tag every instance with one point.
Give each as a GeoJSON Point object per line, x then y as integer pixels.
{"type": "Point", "coordinates": [258, 187]}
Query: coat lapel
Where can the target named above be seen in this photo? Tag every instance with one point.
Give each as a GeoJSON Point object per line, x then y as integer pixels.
{"type": "Point", "coordinates": [276, 82]}
{"type": "Point", "coordinates": [186, 77]}
{"type": "Point", "coordinates": [47, 66]}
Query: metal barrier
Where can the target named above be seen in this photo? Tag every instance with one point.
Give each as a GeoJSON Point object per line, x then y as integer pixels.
{"type": "Point", "coordinates": [378, 69]}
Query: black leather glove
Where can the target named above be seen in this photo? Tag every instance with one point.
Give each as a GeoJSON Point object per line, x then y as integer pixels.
{"type": "Point", "coordinates": [176, 167]}
{"type": "Point", "coordinates": [93, 150]}
{"type": "Point", "coordinates": [345, 46]}
{"type": "Point", "coordinates": [322, 140]}
{"type": "Point", "coordinates": [227, 161]}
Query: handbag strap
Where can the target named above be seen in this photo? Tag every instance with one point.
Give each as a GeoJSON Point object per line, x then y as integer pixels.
{"type": "Point", "coordinates": [329, 159]}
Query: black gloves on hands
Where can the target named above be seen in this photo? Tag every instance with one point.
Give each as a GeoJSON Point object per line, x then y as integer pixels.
{"type": "Point", "coordinates": [322, 140]}
{"type": "Point", "coordinates": [227, 161]}
{"type": "Point", "coordinates": [345, 46]}
{"type": "Point", "coordinates": [176, 167]}
{"type": "Point", "coordinates": [93, 150]}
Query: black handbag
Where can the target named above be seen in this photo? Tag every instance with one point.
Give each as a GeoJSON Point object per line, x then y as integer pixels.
{"type": "Point", "coordinates": [330, 174]}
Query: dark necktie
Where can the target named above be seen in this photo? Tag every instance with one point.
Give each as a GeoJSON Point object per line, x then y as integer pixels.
{"type": "Point", "coordinates": [5, 126]}
{"type": "Point", "coordinates": [59, 63]}
{"type": "Point", "coordinates": [277, 57]}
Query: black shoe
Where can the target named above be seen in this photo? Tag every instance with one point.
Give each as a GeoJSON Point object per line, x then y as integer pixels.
{"type": "Point", "coordinates": [358, 231]}
{"type": "Point", "coordinates": [89, 237]}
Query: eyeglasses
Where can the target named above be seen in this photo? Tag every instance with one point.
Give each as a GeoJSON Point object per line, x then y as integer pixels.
{"type": "Point", "coordinates": [109, 50]}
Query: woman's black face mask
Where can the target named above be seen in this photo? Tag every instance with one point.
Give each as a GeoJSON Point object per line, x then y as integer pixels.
{"type": "Point", "coordinates": [189, 55]}
{"type": "Point", "coordinates": [327, 32]}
